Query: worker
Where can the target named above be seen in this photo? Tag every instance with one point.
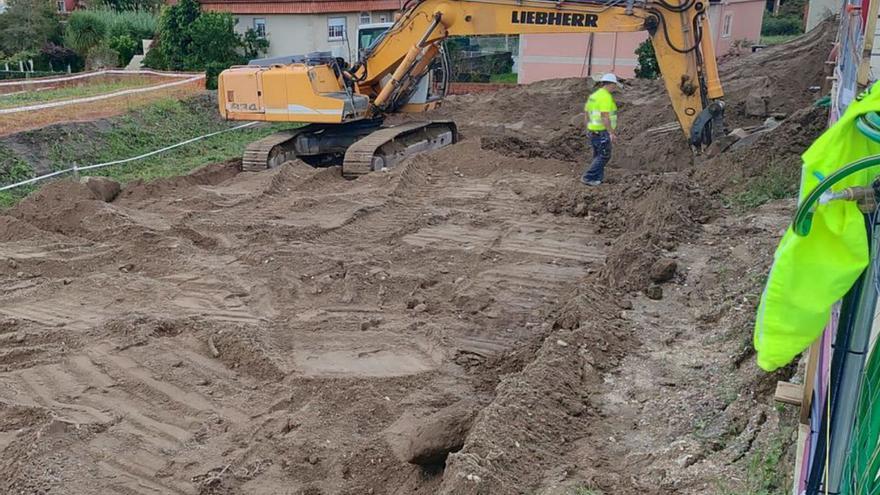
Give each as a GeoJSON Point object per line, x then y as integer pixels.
{"type": "Point", "coordinates": [601, 122]}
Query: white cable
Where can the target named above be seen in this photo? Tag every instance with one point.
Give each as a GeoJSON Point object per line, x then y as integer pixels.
{"type": "Point", "coordinates": [93, 74]}
{"type": "Point", "coordinates": [126, 160]}
{"type": "Point", "coordinates": [43, 106]}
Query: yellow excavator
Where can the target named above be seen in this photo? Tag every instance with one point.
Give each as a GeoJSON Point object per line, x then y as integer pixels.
{"type": "Point", "coordinates": [405, 70]}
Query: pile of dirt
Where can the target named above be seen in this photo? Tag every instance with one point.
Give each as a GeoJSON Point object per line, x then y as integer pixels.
{"type": "Point", "coordinates": [772, 155]}
{"type": "Point", "coordinates": [785, 77]}
{"type": "Point", "coordinates": [778, 81]}
{"type": "Point", "coordinates": [64, 206]}
{"type": "Point", "coordinates": [211, 174]}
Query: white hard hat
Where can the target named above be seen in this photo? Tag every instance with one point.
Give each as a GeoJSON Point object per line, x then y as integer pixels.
{"type": "Point", "coordinates": [609, 78]}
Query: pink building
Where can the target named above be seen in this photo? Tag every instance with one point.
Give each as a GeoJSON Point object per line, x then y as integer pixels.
{"type": "Point", "coordinates": [552, 56]}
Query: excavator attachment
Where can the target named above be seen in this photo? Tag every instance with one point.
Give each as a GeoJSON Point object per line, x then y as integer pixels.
{"type": "Point", "coordinates": [359, 147]}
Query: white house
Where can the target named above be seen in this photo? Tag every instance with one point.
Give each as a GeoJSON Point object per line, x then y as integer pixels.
{"type": "Point", "coordinates": [298, 27]}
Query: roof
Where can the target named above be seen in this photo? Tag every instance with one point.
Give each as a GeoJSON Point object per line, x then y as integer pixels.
{"type": "Point", "coordinates": [298, 6]}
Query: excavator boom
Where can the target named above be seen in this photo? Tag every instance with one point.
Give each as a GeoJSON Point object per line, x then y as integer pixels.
{"type": "Point", "coordinates": [346, 103]}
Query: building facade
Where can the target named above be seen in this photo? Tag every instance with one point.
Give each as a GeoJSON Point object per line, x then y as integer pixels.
{"type": "Point", "coordinates": [550, 56]}
{"type": "Point", "coordinates": [299, 27]}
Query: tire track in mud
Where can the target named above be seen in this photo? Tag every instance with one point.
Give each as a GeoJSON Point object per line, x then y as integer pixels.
{"type": "Point", "coordinates": [416, 278]}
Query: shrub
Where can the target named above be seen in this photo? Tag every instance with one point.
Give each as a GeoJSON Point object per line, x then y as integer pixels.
{"type": "Point", "coordinates": [102, 56]}
{"type": "Point", "coordinates": [85, 30]}
{"type": "Point", "coordinates": [59, 57]}
{"type": "Point", "coordinates": [125, 46]}
{"type": "Point", "coordinates": [138, 25]}
{"type": "Point", "coordinates": [648, 67]}
{"type": "Point", "coordinates": [24, 57]}
{"type": "Point", "coordinates": [781, 25]}
{"type": "Point", "coordinates": [155, 58]}
{"type": "Point", "coordinates": [212, 71]}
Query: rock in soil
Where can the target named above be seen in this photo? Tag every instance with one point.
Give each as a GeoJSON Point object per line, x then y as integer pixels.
{"type": "Point", "coordinates": [654, 292]}
{"type": "Point", "coordinates": [663, 270]}
{"type": "Point", "coordinates": [104, 189]}
{"type": "Point", "coordinates": [428, 441]}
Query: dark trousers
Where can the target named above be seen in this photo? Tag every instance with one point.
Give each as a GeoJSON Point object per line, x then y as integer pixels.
{"type": "Point", "coordinates": [601, 143]}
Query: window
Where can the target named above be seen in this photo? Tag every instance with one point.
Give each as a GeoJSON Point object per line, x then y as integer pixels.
{"type": "Point", "coordinates": [260, 26]}
{"type": "Point", "coordinates": [62, 7]}
{"type": "Point", "coordinates": [336, 28]}
{"type": "Point", "coordinates": [725, 29]}
{"type": "Point", "coordinates": [366, 18]}
{"type": "Point", "coordinates": [383, 18]}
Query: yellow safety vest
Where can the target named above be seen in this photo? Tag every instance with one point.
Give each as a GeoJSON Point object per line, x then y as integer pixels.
{"type": "Point", "coordinates": [600, 102]}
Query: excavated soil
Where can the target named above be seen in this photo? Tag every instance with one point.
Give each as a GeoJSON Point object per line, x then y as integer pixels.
{"type": "Point", "coordinates": [290, 331]}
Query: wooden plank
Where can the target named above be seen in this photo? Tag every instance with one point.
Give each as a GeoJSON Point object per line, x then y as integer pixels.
{"type": "Point", "coordinates": [802, 439]}
{"type": "Point", "coordinates": [789, 393]}
{"type": "Point", "coordinates": [810, 381]}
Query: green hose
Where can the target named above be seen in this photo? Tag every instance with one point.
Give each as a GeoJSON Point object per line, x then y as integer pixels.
{"type": "Point", "coordinates": [869, 125]}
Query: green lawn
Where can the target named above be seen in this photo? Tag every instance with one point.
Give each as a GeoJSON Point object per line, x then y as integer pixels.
{"type": "Point", "coordinates": [155, 126]}
{"type": "Point", "coordinates": [508, 78]}
{"type": "Point", "coordinates": [70, 92]}
{"type": "Point", "coordinates": [776, 40]}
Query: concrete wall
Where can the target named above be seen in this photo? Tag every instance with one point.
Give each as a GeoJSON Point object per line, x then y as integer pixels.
{"type": "Point", "coordinates": [819, 10]}
{"type": "Point", "coordinates": [552, 56]}
{"type": "Point", "coordinates": [298, 34]}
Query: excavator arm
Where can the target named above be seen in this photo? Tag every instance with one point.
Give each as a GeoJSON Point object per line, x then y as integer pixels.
{"type": "Point", "coordinates": [345, 105]}
{"type": "Point", "coordinates": [679, 33]}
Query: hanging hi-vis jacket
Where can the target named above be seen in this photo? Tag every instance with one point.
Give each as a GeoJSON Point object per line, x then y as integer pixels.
{"type": "Point", "coordinates": [811, 273]}
{"type": "Point", "coordinates": [600, 102]}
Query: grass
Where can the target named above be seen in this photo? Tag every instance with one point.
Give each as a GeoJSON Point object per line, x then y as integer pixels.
{"type": "Point", "coordinates": [778, 39]}
{"type": "Point", "coordinates": [583, 490]}
{"type": "Point", "coordinates": [508, 78]}
{"type": "Point", "coordinates": [766, 472]}
{"type": "Point", "coordinates": [155, 126]}
{"type": "Point", "coordinates": [773, 184]}
{"type": "Point", "coordinates": [69, 92]}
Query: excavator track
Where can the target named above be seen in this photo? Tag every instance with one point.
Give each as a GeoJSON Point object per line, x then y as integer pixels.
{"type": "Point", "coordinates": [387, 146]}
{"type": "Point", "coordinates": [375, 150]}
{"type": "Point", "coordinates": [268, 152]}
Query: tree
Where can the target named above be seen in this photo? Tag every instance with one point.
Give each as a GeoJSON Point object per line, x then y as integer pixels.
{"type": "Point", "coordinates": [28, 25]}
{"type": "Point", "coordinates": [254, 45]}
{"type": "Point", "coordinates": [175, 38]}
{"type": "Point", "coordinates": [134, 5]}
{"type": "Point", "coordinates": [213, 40]}
{"type": "Point", "coordinates": [189, 39]}
{"type": "Point", "coordinates": [648, 67]}
{"type": "Point", "coordinates": [85, 30]}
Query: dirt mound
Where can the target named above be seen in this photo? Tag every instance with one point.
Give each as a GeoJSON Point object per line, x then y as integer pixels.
{"type": "Point", "coordinates": [212, 174]}
{"type": "Point", "coordinates": [13, 229]}
{"type": "Point", "coordinates": [778, 80]}
{"type": "Point", "coordinates": [769, 156]}
{"type": "Point", "coordinates": [64, 206]}
{"type": "Point", "coordinates": [784, 76]}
